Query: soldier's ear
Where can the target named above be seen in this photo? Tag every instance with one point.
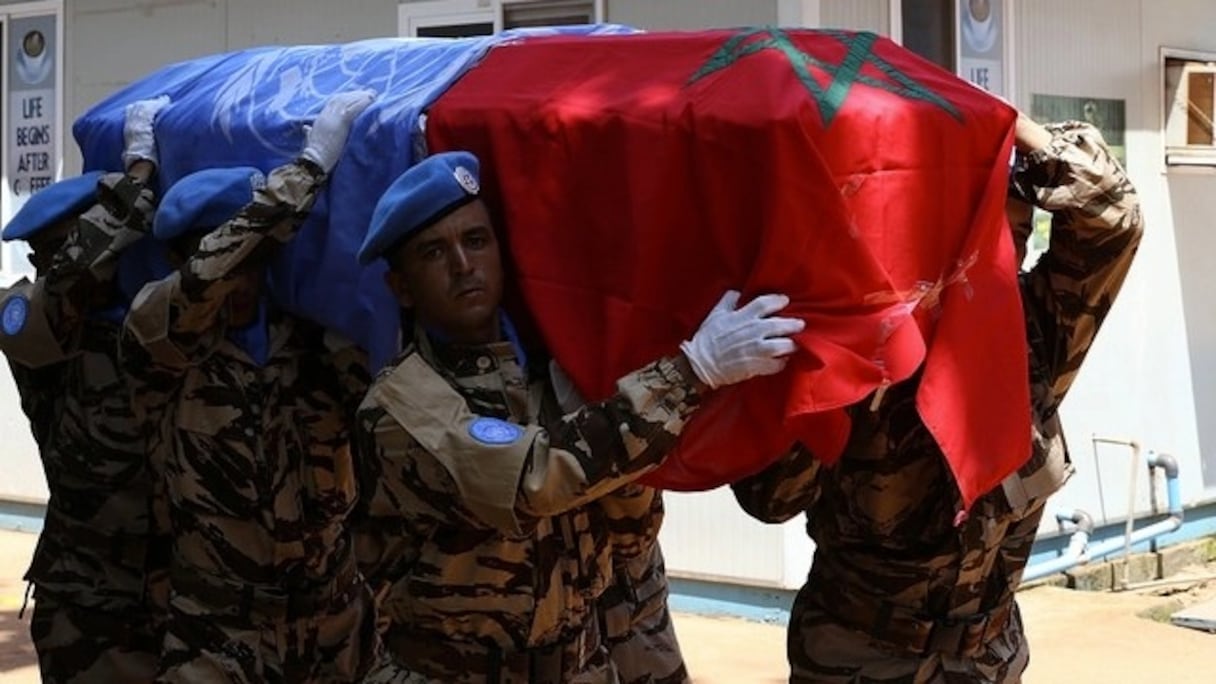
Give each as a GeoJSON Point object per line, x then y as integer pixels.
{"type": "Point", "coordinates": [400, 288]}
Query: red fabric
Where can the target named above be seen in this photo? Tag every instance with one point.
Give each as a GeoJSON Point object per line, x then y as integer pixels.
{"type": "Point", "coordinates": [636, 184]}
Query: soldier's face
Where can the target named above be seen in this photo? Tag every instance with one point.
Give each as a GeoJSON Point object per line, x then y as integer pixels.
{"type": "Point", "coordinates": [46, 243]}
{"type": "Point", "coordinates": [183, 247]}
{"type": "Point", "coordinates": [450, 275]}
{"type": "Point", "coordinates": [243, 303]}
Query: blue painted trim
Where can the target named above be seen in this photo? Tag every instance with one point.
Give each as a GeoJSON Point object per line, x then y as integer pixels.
{"type": "Point", "coordinates": [21, 517]}
{"type": "Point", "coordinates": [1197, 523]}
{"type": "Point", "coordinates": [759, 604]}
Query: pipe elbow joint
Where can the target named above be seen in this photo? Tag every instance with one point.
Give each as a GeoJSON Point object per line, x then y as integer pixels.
{"type": "Point", "coordinates": [1166, 462]}
{"type": "Point", "coordinates": [1083, 521]}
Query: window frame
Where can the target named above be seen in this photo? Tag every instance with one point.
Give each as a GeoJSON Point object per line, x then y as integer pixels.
{"type": "Point", "coordinates": [1187, 154]}
{"type": "Point", "coordinates": [412, 16]}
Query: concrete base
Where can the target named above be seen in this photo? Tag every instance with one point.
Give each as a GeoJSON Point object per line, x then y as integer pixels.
{"type": "Point", "coordinates": [1141, 567]}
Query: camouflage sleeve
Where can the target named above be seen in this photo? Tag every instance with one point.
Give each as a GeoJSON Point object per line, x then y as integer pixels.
{"type": "Point", "coordinates": [1095, 230]}
{"type": "Point", "coordinates": [508, 476]}
{"type": "Point", "coordinates": [783, 490]}
{"type": "Point", "coordinates": [634, 513]}
{"type": "Point", "coordinates": [178, 319]}
{"type": "Point", "coordinates": [57, 301]}
{"type": "Point", "coordinates": [604, 445]}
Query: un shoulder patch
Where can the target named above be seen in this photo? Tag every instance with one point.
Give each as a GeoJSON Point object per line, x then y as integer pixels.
{"type": "Point", "coordinates": [494, 431]}
{"type": "Point", "coordinates": [12, 318]}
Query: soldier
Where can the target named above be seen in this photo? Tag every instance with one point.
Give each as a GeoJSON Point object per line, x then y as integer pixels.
{"type": "Point", "coordinates": [259, 473]}
{"type": "Point", "coordinates": [902, 587]}
{"type": "Point", "coordinates": [99, 568]}
{"type": "Point", "coordinates": [476, 528]}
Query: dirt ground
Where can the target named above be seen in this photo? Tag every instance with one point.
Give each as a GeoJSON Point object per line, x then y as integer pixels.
{"type": "Point", "coordinates": [1076, 637]}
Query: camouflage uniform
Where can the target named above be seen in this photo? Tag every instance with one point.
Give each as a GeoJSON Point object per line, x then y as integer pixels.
{"type": "Point", "coordinates": [259, 474]}
{"type": "Point", "coordinates": [634, 616]}
{"type": "Point", "coordinates": [898, 591]}
{"type": "Point", "coordinates": [99, 570]}
{"type": "Point", "coordinates": [487, 554]}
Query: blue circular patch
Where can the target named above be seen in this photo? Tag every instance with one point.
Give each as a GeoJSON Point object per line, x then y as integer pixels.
{"type": "Point", "coordinates": [494, 431]}
{"type": "Point", "coordinates": [16, 309]}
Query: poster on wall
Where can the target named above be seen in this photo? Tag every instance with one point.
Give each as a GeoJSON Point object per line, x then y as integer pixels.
{"type": "Point", "coordinates": [32, 131]}
{"type": "Point", "coordinates": [1108, 116]}
{"type": "Point", "coordinates": [981, 44]}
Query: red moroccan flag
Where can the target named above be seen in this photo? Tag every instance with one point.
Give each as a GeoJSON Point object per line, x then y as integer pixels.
{"type": "Point", "coordinates": [638, 177]}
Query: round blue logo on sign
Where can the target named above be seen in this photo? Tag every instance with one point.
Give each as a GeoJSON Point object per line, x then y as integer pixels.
{"type": "Point", "coordinates": [494, 431]}
{"type": "Point", "coordinates": [13, 317]}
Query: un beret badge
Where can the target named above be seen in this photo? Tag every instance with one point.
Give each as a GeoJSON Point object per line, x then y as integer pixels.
{"type": "Point", "coordinates": [466, 180]}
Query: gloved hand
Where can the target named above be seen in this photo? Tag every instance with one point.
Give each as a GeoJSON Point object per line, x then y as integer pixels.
{"type": "Point", "coordinates": [139, 139]}
{"type": "Point", "coordinates": [568, 397]}
{"type": "Point", "coordinates": [326, 138]}
{"type": "Point", "coordinates": [733, 345]}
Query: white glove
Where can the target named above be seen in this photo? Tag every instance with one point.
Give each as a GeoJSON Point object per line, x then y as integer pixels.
{"type": "Point", "coordinates": [139, 138]}
{"type": "Point", "coordinates": [327, 136]}
{"type": "Point", "coordinates": [568, 397]}
{"type": "Point", "coordinates": [733, 345]}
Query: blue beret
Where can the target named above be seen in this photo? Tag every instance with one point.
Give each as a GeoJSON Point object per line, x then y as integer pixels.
{"type": "Point", "coordinates": [205, 199]}
{"type": "Point", "coordinates": [66, 199]}
{"type": "Point", "coordinates": [419, 197]}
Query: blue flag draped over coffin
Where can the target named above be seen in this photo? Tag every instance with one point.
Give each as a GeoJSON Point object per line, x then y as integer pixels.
{"type": "Point", "coordinates": [251, 107]}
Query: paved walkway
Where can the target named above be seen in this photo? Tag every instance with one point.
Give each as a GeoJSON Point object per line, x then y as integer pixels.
{"type": "Point", "coordinates": [1077, 637]}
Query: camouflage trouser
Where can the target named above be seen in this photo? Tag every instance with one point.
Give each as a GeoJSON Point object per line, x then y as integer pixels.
{"type": "Point", "coordinates": [83, 646]}
{"type": "Point", "coordinates": [637, 623]}
{"type": "Point", "coordinates": [252, 640]}
{"type": "Point", "coordinates": [442, 660]}
{"type": "Point", "coordinates": [822, 649]}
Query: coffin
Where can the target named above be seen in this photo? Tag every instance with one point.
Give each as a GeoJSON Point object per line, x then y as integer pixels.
{"type": "Point", "coordinates": [637, 176]}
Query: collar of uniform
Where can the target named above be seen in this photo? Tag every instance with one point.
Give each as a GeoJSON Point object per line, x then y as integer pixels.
{"type": "Point", "coordinates": [476, 359]}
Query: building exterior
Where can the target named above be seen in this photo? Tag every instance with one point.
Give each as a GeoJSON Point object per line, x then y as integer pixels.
{"type": "Point", "coordinates": [1142, 70]}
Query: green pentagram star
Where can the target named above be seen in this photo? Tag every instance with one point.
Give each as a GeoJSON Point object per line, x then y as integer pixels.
{"type": "Point", "coordinates": [844, 75]}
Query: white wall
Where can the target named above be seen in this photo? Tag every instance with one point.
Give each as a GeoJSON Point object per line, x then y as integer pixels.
{"type": "Point", "coordinates": [1137, 382]}
{"type": "Point", "coordinates": [21, 476]}
{"type": "Point", "coordinates": [1191, 199]}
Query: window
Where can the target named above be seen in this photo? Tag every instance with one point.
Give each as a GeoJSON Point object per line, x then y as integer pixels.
{"type": "Point", "coordinates": [1190, 107]}
{"type": "Point", "coordinates": [928, 30]}
{"type": "Point", "coordinates": [520, 14]}
{"type": "Point", "coordinates": [967, 37]}
{"type": "Point", "coordinates": [455, 29]}
{"type": "Point", "coordinates": [461, 18]}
